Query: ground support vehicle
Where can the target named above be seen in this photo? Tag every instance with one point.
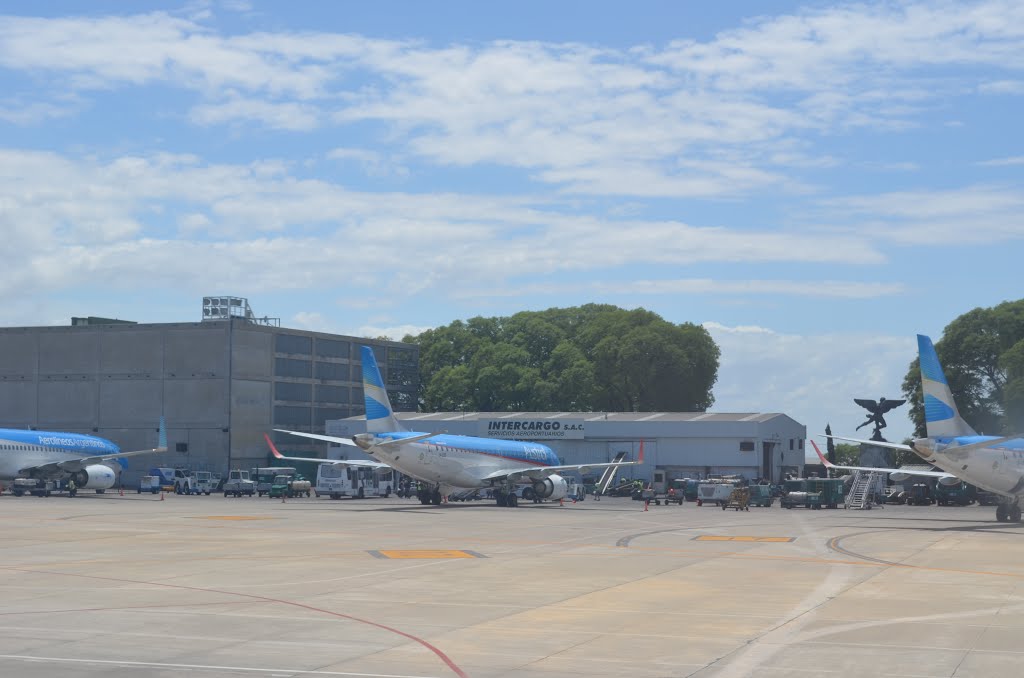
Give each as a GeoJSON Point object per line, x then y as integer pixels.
{"type": "Point", "coordinates": [761, 495]}
{"type": "Point", "coordinates": [810, 500]}
{"type": "Point", "coordinates": [739, 499]}
{"type": "Point", "coordinates": [714, 493]}
{"type": "Point", "coordinates": [831, 490]}
{"type": "Point", "coordinates": [185, 482]}
{"type": "Point", "coordinates": [149, 484]}
{"type": "Point", "coordinates": [204, 482]}
{"type": "Point", "coordinates": [954, 495]}
{"type": "Point", "coordinates": [675, 494]}
{"type": "Point", "coordinates": [265, 477]}
{"type": "Point", "coordinates": [919, 494]}
{"type": "Point", "coordinates": [986, 498]}
{"type": "Point", "coordinates": [166, 476]}
{"type": "Point", "coordinates": [238, 483]}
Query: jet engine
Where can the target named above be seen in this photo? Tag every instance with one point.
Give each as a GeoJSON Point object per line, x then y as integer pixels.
{"type": "Point", "coordinates": [898, 477]}
{"type": "Point", "coordinates": [552, 487]}
{"type": "Point", "coordinates": [95, 477]}
{"type": "Point", "coordinates": [950, 481]}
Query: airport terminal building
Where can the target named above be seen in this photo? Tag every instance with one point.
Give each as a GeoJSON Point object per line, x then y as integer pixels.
{"type": "Point", "coordinates": [220, 383]}
{"type": "Point", "coordinates": [682, 444]}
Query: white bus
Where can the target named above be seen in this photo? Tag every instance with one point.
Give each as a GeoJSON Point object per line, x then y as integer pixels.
{"type": "Point", "coordinates": [337, 482]}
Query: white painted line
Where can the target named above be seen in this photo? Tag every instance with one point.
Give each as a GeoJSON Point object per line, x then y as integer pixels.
{"type": "Point", "coordinates": [750, 417]}
{"type": "Point", "coordinates": [204, 667]}
{"type": "Point", "coordinates": [652, 416]}
{"type": "Point", "coordinates": [703, 416]}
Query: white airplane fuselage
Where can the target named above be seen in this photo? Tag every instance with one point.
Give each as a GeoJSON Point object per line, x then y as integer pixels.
{"type": "Point", "coordinates": [998, 469]}
{"type": "Point", "coordinates": [460, 461]}
{"type": "Point", "coordinates": [20, 449]}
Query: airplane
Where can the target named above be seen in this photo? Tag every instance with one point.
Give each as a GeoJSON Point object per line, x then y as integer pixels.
{"type": "Point", "coordinates": [445, 463]}
{"type": "Point", "coordinates": [992, 463]}
{"type": "Point", "coordinates": [53, 455]}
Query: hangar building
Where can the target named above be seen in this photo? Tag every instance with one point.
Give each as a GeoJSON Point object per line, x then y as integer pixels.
{"type": "Point", "coordinates": [683, 444]}
{"type": "Point", "coordinates": [220, 383]}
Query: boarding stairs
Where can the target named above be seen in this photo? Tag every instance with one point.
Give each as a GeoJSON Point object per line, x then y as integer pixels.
{"type": "Point", "coordinates": [859, 496]}
{"type": "Point", "coordinates": [609, 474]}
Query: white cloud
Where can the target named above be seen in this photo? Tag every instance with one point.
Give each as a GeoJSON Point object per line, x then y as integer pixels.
{"type": "Point", "coordinates": [373, 163]}
{"type": "Point", "coordinates": [812, 378]}
{"type": "Point", "coordinates": [638, 290]}
{"type": "Point", "coordinates": [1003, 162]}
{"type": "Point", "coordinates": [1002, 87]}
{"type": "Point", "coordinates": [690, 119]}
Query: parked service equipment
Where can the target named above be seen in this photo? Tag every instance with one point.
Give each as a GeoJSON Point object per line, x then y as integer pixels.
{"type": "Point", "coordinates": [961, 494]}
{"type": "Point", "coordinates": [265, 477]}
{"type": "Point", "coordinates": [811, 500]}
{"type": "Point", "coordinates": [831, 490]}
{"type": "Point", "coordinates": [739, 499]}
{"type": "Point", "coordinates": [716, 493]}
{"type": "Point", "coordinates": [239, 483]}
{"type": "Point", "coordinates": [761, 495]}
{"type": "Point", "coordinates": [204, 482]}
{"type": "Point", "coordinates": [149, 484]}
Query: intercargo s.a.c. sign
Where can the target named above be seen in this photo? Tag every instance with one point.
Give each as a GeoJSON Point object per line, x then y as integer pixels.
{"type": "Point", "coordinates": [532, 429]}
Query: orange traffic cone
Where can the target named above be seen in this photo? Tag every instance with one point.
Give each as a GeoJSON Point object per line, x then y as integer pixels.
{"type": "Point", "coordinates": [561, 502]}
{"type": "Point", "coordinates": [161, 496]}
{"type": "Point", "coordinates": [646, 504]}
{"type": "Point", "coordinates": [122, 491]}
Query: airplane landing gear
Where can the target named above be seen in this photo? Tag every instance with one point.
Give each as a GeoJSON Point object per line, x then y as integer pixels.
{"type": "Point", "coordinates": [504, 498]}
{"type": "Point", "coordinates": [1008, 513]}
{"type": "Point", "coordinates": [435, 497]}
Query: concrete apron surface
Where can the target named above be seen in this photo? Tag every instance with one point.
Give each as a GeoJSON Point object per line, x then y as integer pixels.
{"type": "Point", "coordinates": [103, 585]}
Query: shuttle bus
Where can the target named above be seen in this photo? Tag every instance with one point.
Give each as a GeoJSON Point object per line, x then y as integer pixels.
{"type": "Point", "coordinates": [337, 482]}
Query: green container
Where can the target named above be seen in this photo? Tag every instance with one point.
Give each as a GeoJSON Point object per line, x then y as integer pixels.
{"type": "Point", "coordinates": [761, 495]}
{"type": "Point", "coordinates": [830, 489]}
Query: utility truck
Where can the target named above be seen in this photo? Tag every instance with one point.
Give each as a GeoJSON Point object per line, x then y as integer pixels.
{"type": "Point", "coordinates": [238, 483]}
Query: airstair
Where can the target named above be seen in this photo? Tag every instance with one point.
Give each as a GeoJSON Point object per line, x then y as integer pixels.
{"type": "Point", "coordinates": [859, 496]}
{"type": "Point", "coordinates": [609, 474]}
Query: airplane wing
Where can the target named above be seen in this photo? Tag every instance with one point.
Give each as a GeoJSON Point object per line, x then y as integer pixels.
{"type": "Point", "coordinates": [334, 462]}
{"type": "Point", "coordinates": [927, 474]}
{"type": "Point", "coordinates": [316, 436]}
{"type": "Point", "coordinates": [879, 443]}
{"type": "Point", "coordinates": [75, 465]}
{"type": "Point", "coordinates": [538, 472]}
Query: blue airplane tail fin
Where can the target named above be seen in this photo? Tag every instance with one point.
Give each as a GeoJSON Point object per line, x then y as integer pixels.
{"type": "Point", "coordinates": [380, 418]}
{"type": "Point", "coordinates": [942, 419]}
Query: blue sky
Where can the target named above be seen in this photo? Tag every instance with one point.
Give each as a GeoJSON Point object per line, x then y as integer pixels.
{"type": "Point", "coordinates": [815, 182]}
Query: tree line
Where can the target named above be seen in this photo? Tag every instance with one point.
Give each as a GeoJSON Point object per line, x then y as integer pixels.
{"type": "Point", "coordinates": [595, 357]}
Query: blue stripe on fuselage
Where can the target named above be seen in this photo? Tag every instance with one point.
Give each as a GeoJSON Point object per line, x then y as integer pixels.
{"type": "Point", "coordinates": [1017, 444]}
{"type": "Point", "coordinates": [59, 440]}
{"type": "Point", "coordinates": [533, 454]}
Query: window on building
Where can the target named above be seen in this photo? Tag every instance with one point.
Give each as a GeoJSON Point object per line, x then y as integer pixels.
{"type": "Point", "coordinates": [290, 415]}
{"type": "Point", "coordinates": [801, 443]}
{"type": "Point", "coordinates": [791, 443]}
{"type": "Point", "coordinates": [331, 394]}
{"type": "Point", "coordinates": [332, 371]}
{"type": "Point", "coordinates": [332, 348]}
{"type": "Point", "coordinates": [284, 390]}
{"type": "Point", "coordinates": [290, 367]}
{"type": "Point", "coordinates": [293, 343]}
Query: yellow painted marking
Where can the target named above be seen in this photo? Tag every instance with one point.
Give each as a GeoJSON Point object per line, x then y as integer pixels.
{"type": "Point", "coordinates": [768, 540]}
{"type": "Point", "coordinates": [426, 554]}
{"type": "Point", "coordinates": [231, 518]}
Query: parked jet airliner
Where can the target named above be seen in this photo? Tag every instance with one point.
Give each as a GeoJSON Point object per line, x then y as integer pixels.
{"type": "Point", "coordinates": [53, 455]}
{"type": "Point", "coordinates": [448, 462]}
{"type": "Point", "coordinates": [989, 462]}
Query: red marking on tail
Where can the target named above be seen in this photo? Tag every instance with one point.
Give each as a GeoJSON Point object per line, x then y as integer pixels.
{"type": "Point", "coordinates": [273, 449]}
{"type": "Point", "coordinates": [641, 459]}
{"type": "Point", "coordinates": [825, 462]}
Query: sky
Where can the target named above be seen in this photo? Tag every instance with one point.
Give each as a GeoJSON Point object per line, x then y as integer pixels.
{"type": "Point", "coordinates": [815, 183]}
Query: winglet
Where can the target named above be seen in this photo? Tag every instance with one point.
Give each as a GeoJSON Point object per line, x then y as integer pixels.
{"type": "Point", "coordinates": [640, 460]}
{"type": "Point", "coordinates": [161, 443]}
{"type": "Point", "coordinates": [273, 450]}
{"type": "Point", "coordinates": [825, 462]}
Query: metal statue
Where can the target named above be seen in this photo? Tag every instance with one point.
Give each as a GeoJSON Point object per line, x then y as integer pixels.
{"type": "Point", "coordinates": [877, 409]}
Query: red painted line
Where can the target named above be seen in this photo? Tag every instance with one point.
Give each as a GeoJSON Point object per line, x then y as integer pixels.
{"type": "Point", "coordinates": [437, 651]}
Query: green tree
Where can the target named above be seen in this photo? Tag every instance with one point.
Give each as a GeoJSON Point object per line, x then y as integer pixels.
{"type": "Point", "coordinates": [592, 357]}
{"type": "Point", "coordinates": [982, 356]}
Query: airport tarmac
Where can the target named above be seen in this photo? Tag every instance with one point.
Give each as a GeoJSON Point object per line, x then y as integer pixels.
{"type": "Point", "coordinates": [103, 585]}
